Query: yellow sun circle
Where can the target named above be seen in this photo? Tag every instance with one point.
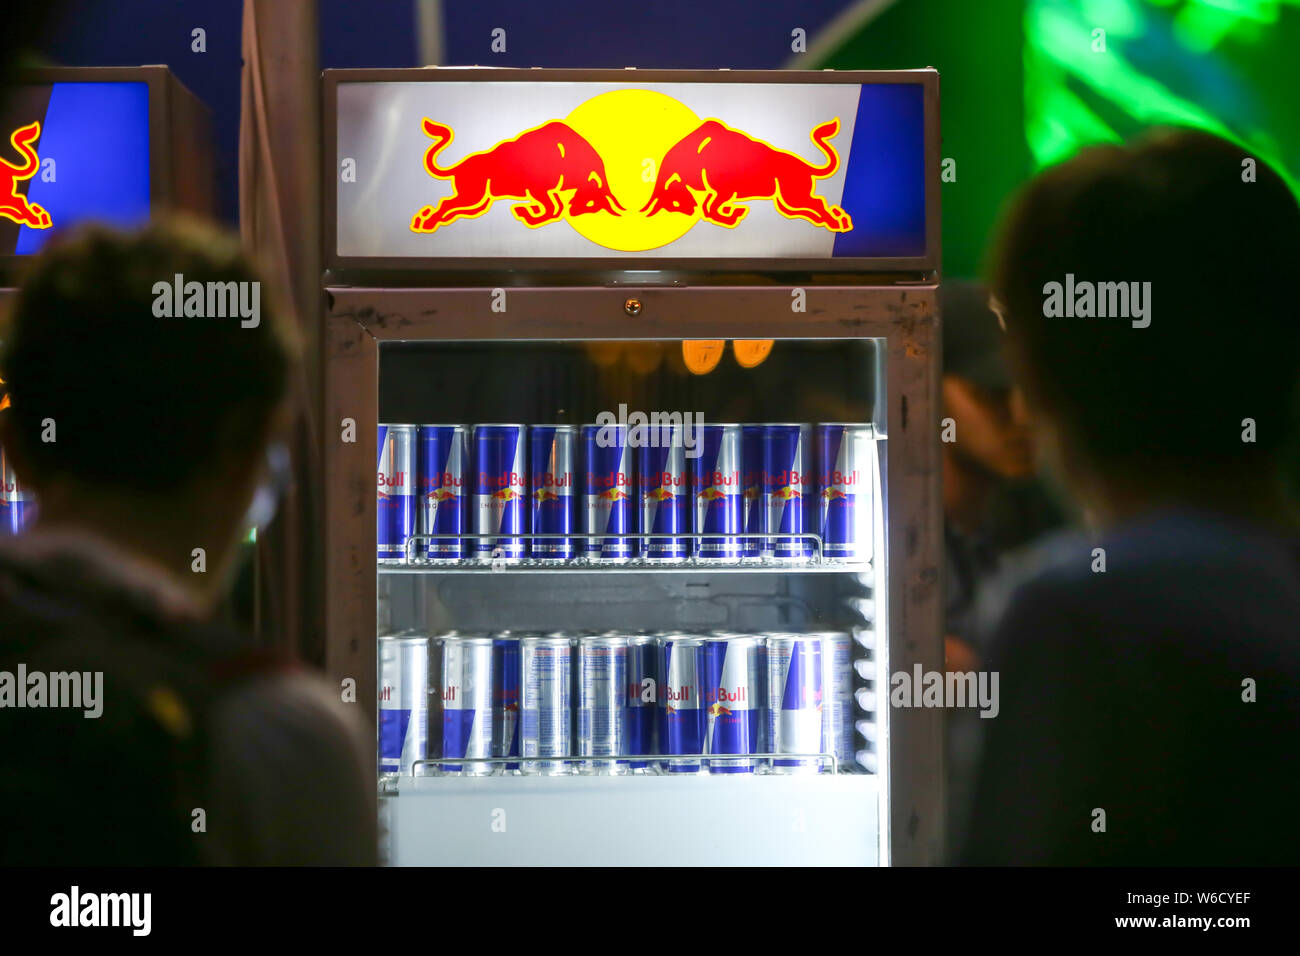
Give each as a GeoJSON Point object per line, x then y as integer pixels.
{"type": "Point", "coordinates": [631, 130]}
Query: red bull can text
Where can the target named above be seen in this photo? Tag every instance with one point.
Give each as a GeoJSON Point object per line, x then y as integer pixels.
{"type": "Point", "coordinates": [602, 696]}
{"type": "Point", "coordinates": [787, 484]}
{"type": "Point", "coordinates": [640, 717]}
{"type": "Point", "coordinates": [754, 517]}
{"type": "Point", "coordinates": [663, 491]}
{"type": "Point", "coordinates": [716, 486]}
{"type": "Point", "coordinates": [551, 478]}
{"type": "Point", "coordinates": [395, 502]}
{"type": "Point", "coordinates": [837, 695]}
{"type": "Point", "coordinates": [681, 717]}
{"type": "Point", "coordinates": [607, 500]}
{"type": "Point", "coordinates": [545, 685]}
{"type": "Point", "coordinates": [403, 702]}
{"type": "Point", "coordinates": [731, 689]}
{"type": "Point", "coordinates": [795, 719]}
{"type": "Point", "coordinates": [500, 490]}
{"type": "Point", "coordinates": [443, 451]}
{"type": "Point", "coordinates": [467, 684]}
{"type": "Point", "coordinates": [505, 697]}
{"type": "Point", "coordinates": [844, 485]}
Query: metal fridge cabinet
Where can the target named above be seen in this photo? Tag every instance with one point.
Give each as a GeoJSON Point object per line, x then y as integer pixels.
{"type": "Point", "coordinates": [495, 319]}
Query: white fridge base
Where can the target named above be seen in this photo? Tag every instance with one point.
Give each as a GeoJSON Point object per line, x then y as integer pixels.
{"type": "Point", "coordinates": [709, 820]}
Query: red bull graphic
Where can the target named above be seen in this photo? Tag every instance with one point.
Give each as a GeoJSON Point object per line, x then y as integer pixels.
{"type": "Point", "coordinates": [716, 167]}
{"type": "Point", "coordinates": [540, 165]}
{"type": "Point", "coordinates": [14, 206]}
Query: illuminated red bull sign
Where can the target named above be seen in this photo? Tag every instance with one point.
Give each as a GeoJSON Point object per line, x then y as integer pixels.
{"type": "Point", "coordinates": [451, 167]}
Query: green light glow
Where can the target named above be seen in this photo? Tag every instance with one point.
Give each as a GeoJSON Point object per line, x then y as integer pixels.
{"type": "Point", "coordinates": [1076, 93]}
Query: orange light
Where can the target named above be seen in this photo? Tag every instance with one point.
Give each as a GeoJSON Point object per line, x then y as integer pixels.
{"type": "Point", "coordinates": [702, 357]}
{"type": "Point", "coordinates": [751, 352]}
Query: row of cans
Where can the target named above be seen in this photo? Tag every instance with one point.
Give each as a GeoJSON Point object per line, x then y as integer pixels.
{"type": "Point", "coordinates": [559, 703]}
{"type": "Point", "coordinates": [550, 493]}
{"type": "Point", "coordinates": [15, 503]}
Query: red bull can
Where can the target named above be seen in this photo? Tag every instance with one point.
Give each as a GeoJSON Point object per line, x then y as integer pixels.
{"type": "Point", "coordinates": [14, 502]}
{"type": "Point", "coordinates": [716, 486]}
{"type": "Point", "coordinates": [837, 695]}
{"type": "Point", "coordinates": [395, 501]}
{"type": "Point", "coordinates": [505, 697]}
{"type": "Point", "coordinates": [403, 702]}
{"type": "Point", "coordinates": [844, 483]}
{"type": "Point", "coordinates": [663, 491]}
{"type": "Point", "coordinates": [500, 493]}
{"type": "Point", "coordinates": [443, 450]}
{"type": "Point", "coordinates": [795, 721]}
{"type": "Point", "coordinates": [602, 697]}
{"type": "Point", "coordinates": [608, 504]}
{"type": "Point", "coordinates": [731, 683]}
{"type": "Point", "coordinates": [787, 486]}
{"type": "Point", "coordinates": [467, 685]}
{"type": "Point", "coordinates": [551, 479]}
{"type": "Point", "coordinates": [640, 716]}
{"type": "Point", "coordinates": [545, 685]}
{"type": "Point", "coordinates": [753, 468]}
{"type": "Point", "coordinates": [681, 716]}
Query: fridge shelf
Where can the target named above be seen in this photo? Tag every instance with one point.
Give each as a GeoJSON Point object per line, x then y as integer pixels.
{"type": "Point", "coordinates": [635, 820]}
{"type": "Point", "coordinates": [501, 560]}
{"type": "Point", "coordinates": [831, 762]}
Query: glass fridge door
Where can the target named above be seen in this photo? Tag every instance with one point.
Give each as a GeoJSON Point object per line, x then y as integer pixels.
{"type": "Point", "coordinates": [630, 601]}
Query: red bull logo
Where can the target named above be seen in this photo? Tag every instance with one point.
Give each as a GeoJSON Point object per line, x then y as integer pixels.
{"type": "Point", "coordinates": [439, 495]}
{"type": "Point", "coordinates": [712, 493]}
{"type": "Point", "coordinates": [551, 167]}
{"type": "Point", "coordinates": [545, 494]}
{"type": "Point", "coordinates": [613, 494]}
{"type": "Point", "coordinates": [632, 170]}
{"type": "Point", "coordinates": [716, 167]}
{"type": "Point", "coordinates": [717, 710]}
{"type": "Point", "coordinates": [506, 494]}
{"type": "Point", "coordinates": [660, 494]}
{"type": "Point", "coordinates": [786, 493]}
{"type": "Point", "coordinates": [13, 205]}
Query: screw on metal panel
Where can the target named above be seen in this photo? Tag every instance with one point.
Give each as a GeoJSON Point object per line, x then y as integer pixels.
{"type": "Point", "coordinates": [632, 306]}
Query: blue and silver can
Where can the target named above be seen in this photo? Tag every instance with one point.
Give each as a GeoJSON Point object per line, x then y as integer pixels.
{"type": "Point", "coordinates": [602, 697]}
{"type": "Point", "coordinates": [14, 501]}
{"type": "Point", "coordinates": [731, 692]}
{"type": "Point", "coordinates": [467, 684]}
{"type": "Point", "coordinates": [395, 501]}
{"type": "Point", "coordinates": [795, 721]}
{"type": "Point", "coordinates": [681, 716]}
{"type": "Point", "coordinates": [500, 493]}
{"type": "Point", "coordinates": [719, 498]}
{"type": "Point", "coordinates": [641, 715]}
{"type": "Point", "coordinates": [844, 485]}
{"type": "Point", "coordinates": [443, 453]}
{"type": "Point", "coordinates": [505, 697]}
{"type": "Point", "coordinates": [403, 702]}
{"type": "Point", "coordinates": [663, 492]}
{"type": "Point", "coordinates": [546, 716]}
{"type": "Point", "coordinates": [753, 469]}
{"type": "Point", "coordinates": [608, 504]}
{"type": "Point", "coordinates": [837, 695]}
{"type": "Point", "coordinates": [551, 453]}
{"type": "Point", "coordinates": [787, 488]}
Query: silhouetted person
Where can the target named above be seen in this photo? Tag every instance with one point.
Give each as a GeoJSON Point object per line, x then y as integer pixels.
{"type": "Point", "coordinates": [144, 438]}
{"type": "Point", "coordinates": [1150, 710]}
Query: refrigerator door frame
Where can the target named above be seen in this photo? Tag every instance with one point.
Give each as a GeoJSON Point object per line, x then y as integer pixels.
{"type": "Point", "coordinates": [360, 319]}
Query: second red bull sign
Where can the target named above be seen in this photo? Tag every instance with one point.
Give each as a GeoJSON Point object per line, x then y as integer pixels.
{"type": "Point", "coordinates": [557, 170]}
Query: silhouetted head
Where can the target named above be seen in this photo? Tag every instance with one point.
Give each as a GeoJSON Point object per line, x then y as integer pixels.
{"type": "Point", "coordinates": [131, 403]}
{"type": "Point", "coordinates": [1194, 242]}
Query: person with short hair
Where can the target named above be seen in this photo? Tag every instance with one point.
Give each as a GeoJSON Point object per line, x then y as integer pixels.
{"type": "Point", "coordinates": [146, 375]}
{"type": "Point", "coordinates": [1150, 674]}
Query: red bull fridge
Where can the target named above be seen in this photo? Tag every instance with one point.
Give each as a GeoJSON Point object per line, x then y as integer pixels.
{"type": "Point", "coordinates": [645, 366]}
